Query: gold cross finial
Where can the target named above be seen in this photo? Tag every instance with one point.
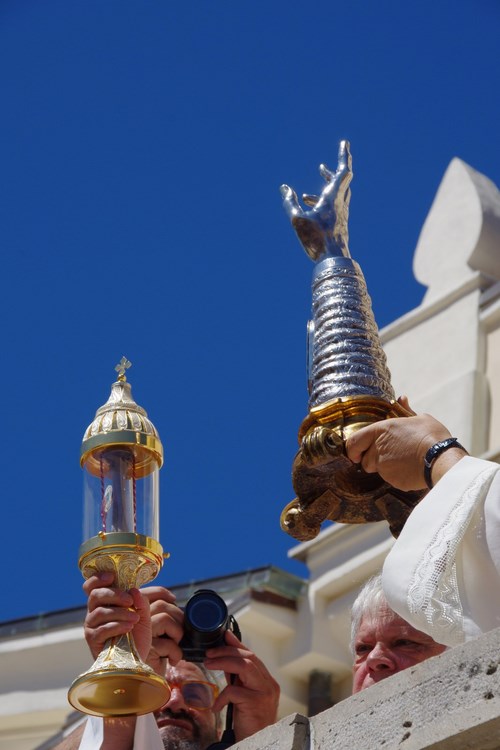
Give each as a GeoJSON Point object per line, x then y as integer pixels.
{"type": "Point", "coordinates": [120, 368]}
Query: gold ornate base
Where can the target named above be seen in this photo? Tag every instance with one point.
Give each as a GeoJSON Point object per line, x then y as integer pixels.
{"type": "Point", "coordinates": [122, 692]}
{"type": "Point", "coordinates": [328, 485]}
{"type": "Point", "coordinates": [119, 683]}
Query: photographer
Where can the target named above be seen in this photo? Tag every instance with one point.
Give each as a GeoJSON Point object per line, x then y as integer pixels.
{"type": "Point", "coordinates": [157, 626]}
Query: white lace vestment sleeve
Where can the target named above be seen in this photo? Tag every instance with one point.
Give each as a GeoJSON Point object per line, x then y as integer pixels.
{"type": "Point", "coordinates": [443, 573]}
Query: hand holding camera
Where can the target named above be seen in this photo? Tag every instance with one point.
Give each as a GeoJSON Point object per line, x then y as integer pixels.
{"type": "Point", "coordinates": [212, 635]}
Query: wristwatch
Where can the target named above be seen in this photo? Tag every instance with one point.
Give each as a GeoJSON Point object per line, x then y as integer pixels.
{"type": "Point", "coordinates": [434, 452]}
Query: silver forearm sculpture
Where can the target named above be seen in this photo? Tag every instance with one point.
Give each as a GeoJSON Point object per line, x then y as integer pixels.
{"type": "Point", "coordinates": [349, 382]}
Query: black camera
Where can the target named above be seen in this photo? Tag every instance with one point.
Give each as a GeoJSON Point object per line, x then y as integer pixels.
{"type": "Point", "coordinates": [206, 620]}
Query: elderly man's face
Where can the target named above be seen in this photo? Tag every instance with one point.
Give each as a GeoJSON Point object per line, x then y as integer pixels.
{"type": "Point", "coordinates": [181, 726]}
{"type": "Point", "coordinates": [386, 644]}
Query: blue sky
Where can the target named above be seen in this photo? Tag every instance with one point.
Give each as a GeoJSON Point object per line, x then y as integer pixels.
{"type": "Point", "coordinates": [142, 146]}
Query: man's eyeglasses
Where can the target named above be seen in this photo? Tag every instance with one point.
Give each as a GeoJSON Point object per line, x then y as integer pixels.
{"type": "Point", "coordinates": [197, 694]}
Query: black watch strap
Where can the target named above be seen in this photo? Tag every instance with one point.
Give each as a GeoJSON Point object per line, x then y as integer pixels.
{"type": "Point", "coordinates": [436, 451]}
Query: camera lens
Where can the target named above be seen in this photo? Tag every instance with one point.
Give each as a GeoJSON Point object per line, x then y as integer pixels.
{"type": "Point", "coordinates": [206, 619]}
{"type": "Point", "coordinates": [206, 612]}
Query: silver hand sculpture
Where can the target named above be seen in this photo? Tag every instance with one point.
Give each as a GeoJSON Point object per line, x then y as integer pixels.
{"type": "Point", "coordinates": [323, 230]}
{"type": "Point", "coordinates": [345, 357]}
{"type": "Point", "coordinates": [348, 378]}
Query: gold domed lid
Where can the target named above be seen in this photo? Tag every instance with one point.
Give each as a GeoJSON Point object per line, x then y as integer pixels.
{"type": "Point", "coordinates": [122, 422]}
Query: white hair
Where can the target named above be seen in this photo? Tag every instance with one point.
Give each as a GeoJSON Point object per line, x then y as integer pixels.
{"type": "Point", "coordinates": [370, 600]}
